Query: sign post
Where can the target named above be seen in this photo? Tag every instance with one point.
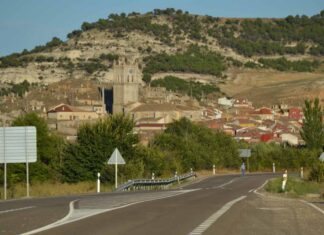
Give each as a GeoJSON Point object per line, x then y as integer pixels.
{"type": "Point", "coordinates": [116, 159]}
{"type": "Point", "coordinates": [17, 145]}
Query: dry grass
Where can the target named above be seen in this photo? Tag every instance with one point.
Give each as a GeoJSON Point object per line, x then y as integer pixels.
{"type": "Point", "coordinates": [48, 189]}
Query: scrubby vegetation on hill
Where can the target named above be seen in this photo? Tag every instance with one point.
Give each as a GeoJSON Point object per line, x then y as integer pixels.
{"type": "Point", "coordinates": [268, 37]}
{"type": "Point", "coordinates": [247, 36]}
{"type": "Point", "coordinates": [18, 89]}
{"type": "Point", "coordinates": [196, 59]}
{"type": "Point", "coordinates": [282, 64]}
{"type": "Point", "coordinates": [196, 89]}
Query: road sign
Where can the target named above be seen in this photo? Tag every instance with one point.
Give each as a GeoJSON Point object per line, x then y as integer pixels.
{"type": "Point", "coordinates": [116, 158]}
{"type": "Point", "coordinates": [17, 145]}
{"type": "Point", "coordinates": [321, 158]}
{"type": "Point", "coordinates": [245, 153]}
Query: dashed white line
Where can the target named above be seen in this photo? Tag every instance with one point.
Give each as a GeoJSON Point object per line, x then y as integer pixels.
{"type": "Point", "coordinates": [18, 209]}
{"type": "Point", "coordinates": [214, 217]}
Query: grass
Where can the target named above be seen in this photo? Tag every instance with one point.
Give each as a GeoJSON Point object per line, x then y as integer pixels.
{"type": "Point", "coordinates": [48, 189]}
{"type": "Point", "coordinates": [295, 187]}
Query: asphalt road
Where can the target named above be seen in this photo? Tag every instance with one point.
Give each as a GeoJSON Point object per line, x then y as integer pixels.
{"type": "Point", "coordinates": [216, 205]}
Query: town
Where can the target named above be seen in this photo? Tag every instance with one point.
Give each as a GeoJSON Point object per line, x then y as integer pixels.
{"type": "Point", "coordinates": [153, 108]}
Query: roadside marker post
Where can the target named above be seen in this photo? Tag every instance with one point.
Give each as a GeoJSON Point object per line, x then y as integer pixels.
{"type": "Point", "coordinates": [273, 167]}
{"type": "Point", "coordinates": [214, 170]}
{"type": "Point", "coordinates": [284, 180]}
{"type": "Point", "coordinates": [302, 173]}
{"type": "Point", "coordinates": [98, 182]}
{"type": "Point", "coordinates": [116, 159]}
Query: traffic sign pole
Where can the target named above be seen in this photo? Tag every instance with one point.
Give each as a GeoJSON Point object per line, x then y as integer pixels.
{"type": "Point", "coordinates": [116, 159]}
{"type": "Point", "coordinates": [116, 175]}
{"type": "Point", "coordinates": [27, 165]}
{"type": "Point", "coordinates": [5, 165]}
{"type": "Point", "coordinates": [5, 182]}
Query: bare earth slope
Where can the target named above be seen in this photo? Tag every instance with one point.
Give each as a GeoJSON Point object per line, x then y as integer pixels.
{"type": "Point", "coordinates": [271, 87]}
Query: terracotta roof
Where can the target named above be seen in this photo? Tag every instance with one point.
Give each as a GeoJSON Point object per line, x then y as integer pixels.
{"type": "Point", "coordinates": [65, 108]}
{"type": "Point", "coordinates": [163, 107]}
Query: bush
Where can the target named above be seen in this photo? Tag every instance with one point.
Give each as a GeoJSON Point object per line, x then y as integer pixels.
{"type": "Point", "coordinates": [317, 172]}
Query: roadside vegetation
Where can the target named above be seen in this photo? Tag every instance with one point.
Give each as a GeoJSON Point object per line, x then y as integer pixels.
{"type": "Point", "coordinates": [296, 187]}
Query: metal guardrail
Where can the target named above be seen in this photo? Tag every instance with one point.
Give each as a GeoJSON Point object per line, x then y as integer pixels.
{"type": "Point", "coordinates": [150, 183]}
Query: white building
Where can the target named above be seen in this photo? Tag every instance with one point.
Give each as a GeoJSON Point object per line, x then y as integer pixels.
{"type": "Point", "coordinates": [224, 101]}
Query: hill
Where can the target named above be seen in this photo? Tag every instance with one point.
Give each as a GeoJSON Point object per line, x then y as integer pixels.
{"type": "Point", "coordinates": [187, 46]}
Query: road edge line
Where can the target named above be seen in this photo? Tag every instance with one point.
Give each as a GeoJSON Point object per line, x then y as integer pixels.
{"type": "Point", "coordinates": [308, 203]}
{"type": "Point", "coordinates": [260, 187]}
{"type": "Point", "coordinates": [201, 228]}
{"type": "Point", "coordinates": [52, 225]}
{"type": "Point", "coordinates": [312, 205]}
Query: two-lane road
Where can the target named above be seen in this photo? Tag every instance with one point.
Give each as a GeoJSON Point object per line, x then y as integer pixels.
{"type": "Point", "coordinates": [217, 205]}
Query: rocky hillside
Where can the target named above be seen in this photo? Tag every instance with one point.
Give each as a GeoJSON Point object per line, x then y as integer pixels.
{"type": "Point", "coordinates": [177, 43]}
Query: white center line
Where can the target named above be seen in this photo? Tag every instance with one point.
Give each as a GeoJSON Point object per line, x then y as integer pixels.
{"type": "Point", "coordinates": [18, 209]}
{"type": "Point", "coordinates": [214, 217]}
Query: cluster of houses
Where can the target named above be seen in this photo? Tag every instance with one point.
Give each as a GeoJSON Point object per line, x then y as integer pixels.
{"type": "Point", "coordinates": [236, 117]}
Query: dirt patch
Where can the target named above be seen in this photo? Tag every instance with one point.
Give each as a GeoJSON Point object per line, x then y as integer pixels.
{"type": "Point", "coordinates": [265, 87]}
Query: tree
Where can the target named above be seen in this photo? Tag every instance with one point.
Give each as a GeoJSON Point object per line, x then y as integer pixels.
{"type": "Point", "coordinates": [95, 143]}
{"type": "Point", "coordinates": [187, 145]}
{"type": "Point", "coordinates": [313, 130]}
{"type": "Point", "coordinates": [49, 148]}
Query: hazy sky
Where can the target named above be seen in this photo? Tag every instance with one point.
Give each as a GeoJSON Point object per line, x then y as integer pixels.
{"type": "Point", "coordinates": [27, 23]}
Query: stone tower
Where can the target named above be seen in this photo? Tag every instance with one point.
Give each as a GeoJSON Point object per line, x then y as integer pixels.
{"type": "Point", "coordinates": [126, 84]}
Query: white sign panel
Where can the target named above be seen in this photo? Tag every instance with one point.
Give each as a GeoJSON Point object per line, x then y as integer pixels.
{"type": "Point", "coordinates": [116, 158]}
{"type": "Point", "coordinates": [321, 158]}
{"type": "Point", "coordinates": [245, 152]}
{"type": "Point", "coordinates": [18, 144]}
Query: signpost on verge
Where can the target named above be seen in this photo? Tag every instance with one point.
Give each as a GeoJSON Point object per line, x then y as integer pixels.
{"type": "Point", "coordinates": [17, 145]}
{"type": "Point", "coordinates": [116, 159]}
{"type": "Point", "coordinates": [245, 153]}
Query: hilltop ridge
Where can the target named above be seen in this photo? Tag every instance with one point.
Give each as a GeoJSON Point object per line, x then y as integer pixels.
{"type": "Point", "coordinates": [170, 41]}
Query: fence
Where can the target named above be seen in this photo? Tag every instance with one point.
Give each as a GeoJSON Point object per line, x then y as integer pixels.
{"type": "Point", "coordinates": [148, 184]}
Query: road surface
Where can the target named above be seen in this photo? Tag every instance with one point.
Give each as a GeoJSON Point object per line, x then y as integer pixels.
{"type": "Point", "coordinates": [217, 205]}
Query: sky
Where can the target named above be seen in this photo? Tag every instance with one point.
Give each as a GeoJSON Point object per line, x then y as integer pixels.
{"type": "Point", "coordinates": [25, 24]}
